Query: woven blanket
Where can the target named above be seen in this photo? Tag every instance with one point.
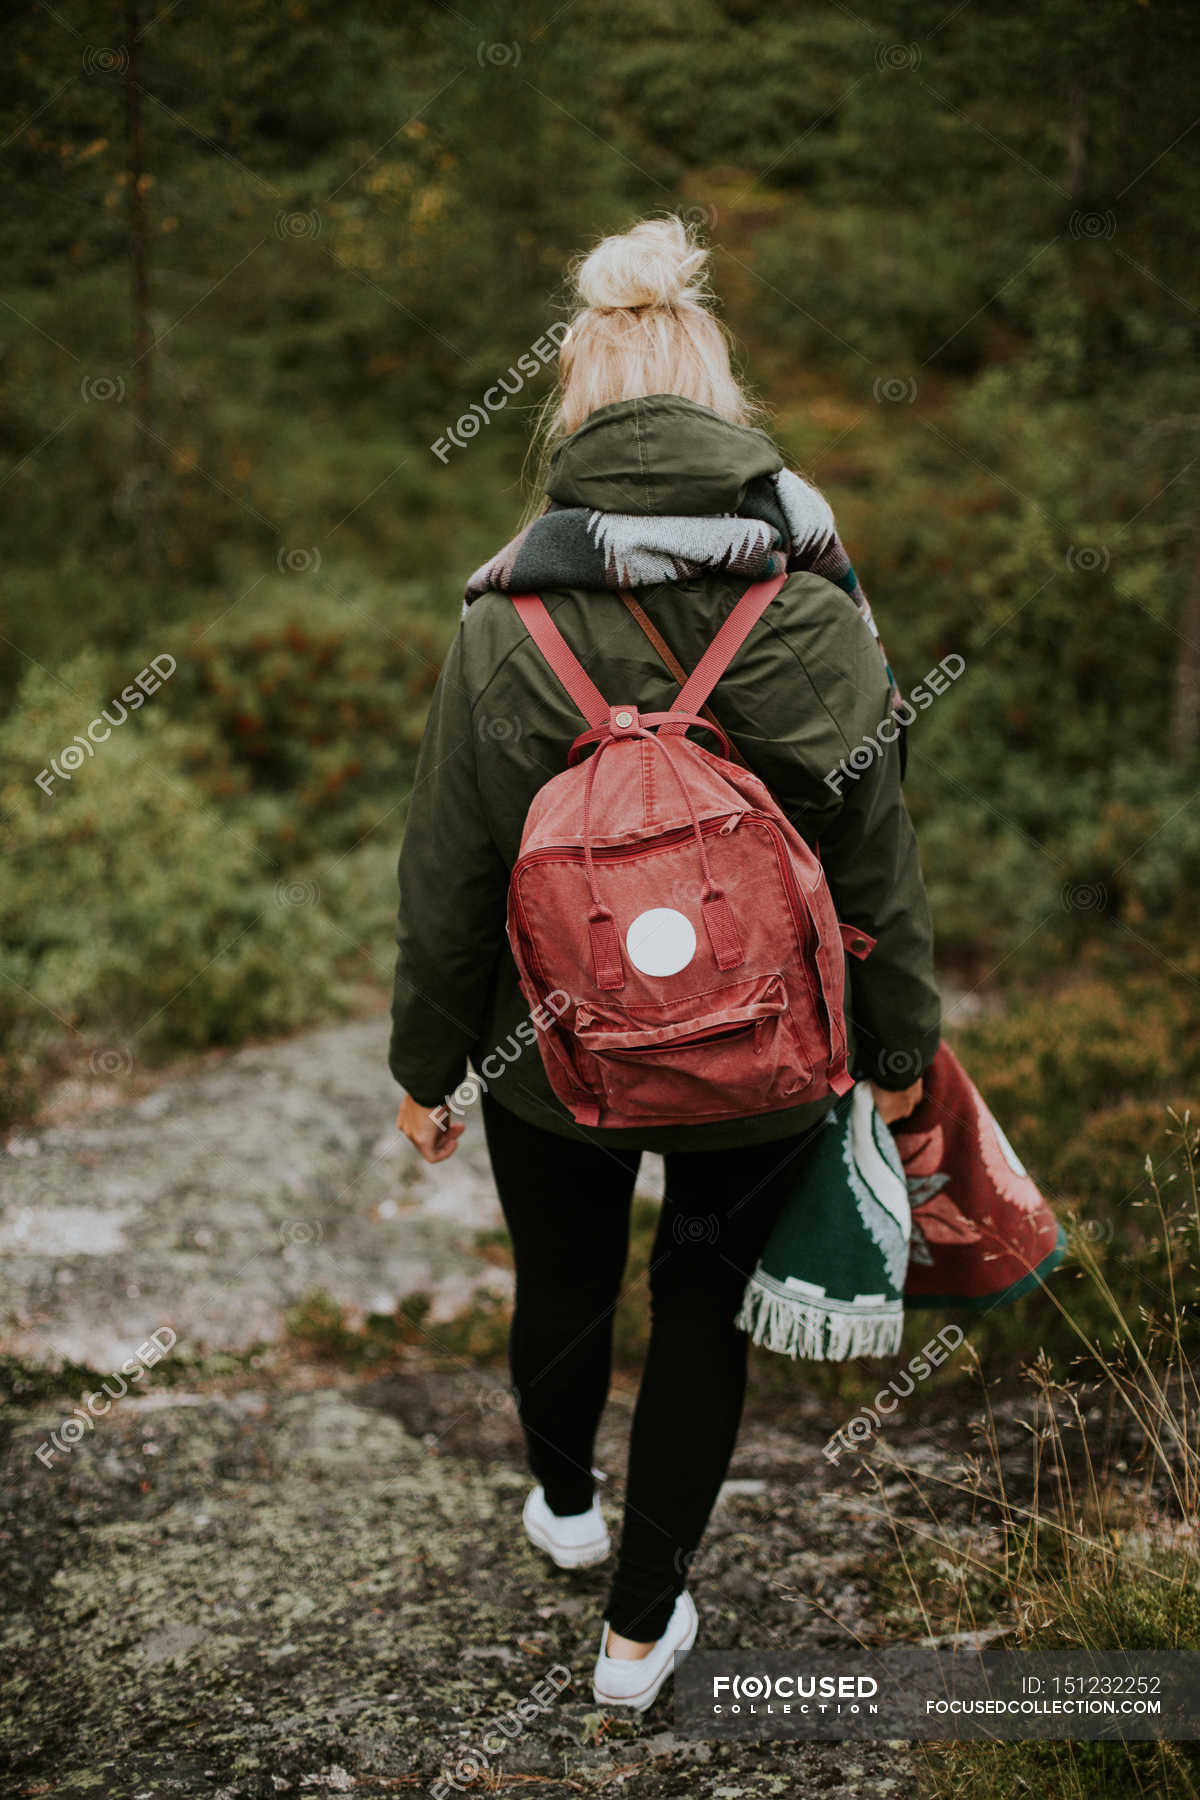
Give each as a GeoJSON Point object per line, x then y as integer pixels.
{"type": "Point", "coordinates": [982, 1232]}
{"type": "Point", "coordinates": [829, 1284]}
{"type": "Point", "coordinates": [940, 1212]}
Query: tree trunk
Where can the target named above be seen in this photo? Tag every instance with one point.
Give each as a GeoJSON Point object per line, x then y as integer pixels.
{"type": "Point", "coordinates": [145, 457]}
{"type": "Point", "coordinates": [1185, 710]}
{"type": "Point", "coordinates": [1076, 173]}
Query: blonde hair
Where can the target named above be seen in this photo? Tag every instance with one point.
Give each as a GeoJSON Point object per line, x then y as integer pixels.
{"type": "Point", "coordinates": [645, 326]}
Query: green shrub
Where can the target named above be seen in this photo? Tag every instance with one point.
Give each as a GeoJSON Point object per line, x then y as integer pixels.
{"type": "Point", "coordinates": [139, 917]}
{"type": "Point", "coordinates": [1056, 1056]}
{"type": "Point", "coordinates": [310, 713]}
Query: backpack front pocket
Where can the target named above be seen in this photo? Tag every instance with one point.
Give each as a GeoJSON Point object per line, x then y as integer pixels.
{"type": "Point", "coordinates": [737, 1056]}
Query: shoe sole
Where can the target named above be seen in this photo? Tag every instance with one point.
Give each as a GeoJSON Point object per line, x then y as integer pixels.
{"type": "Point", "coordinates": [582, 1556]}
{"type": "Point", "coordinates": [643, 1702]}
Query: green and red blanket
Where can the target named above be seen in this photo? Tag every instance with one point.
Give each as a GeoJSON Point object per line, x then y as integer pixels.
{"type": "Point", "coordinates": [939, 1211]}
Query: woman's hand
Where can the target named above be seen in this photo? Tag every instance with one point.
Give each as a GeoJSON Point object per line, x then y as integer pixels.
{"type": "Point", "coordinates": [897, 1105]}
{"type": "Point", "coordinates": [434, 1141]}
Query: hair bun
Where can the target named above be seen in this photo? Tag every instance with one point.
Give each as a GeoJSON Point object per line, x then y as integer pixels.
{"type": "Point", "coordinates": [657, 263]}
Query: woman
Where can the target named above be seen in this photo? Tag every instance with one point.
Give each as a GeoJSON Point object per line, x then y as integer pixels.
{"type": "Point", "coordinates": [658, 481]}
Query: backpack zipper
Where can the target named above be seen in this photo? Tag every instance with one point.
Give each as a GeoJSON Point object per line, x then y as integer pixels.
{"type": "Point", "coordinates": [805, 924]}
{"type": "Point", "coordinates": [665, 840]}
{"type": "Point", "coordinates": [603, 853]}
{"type": "Point", "coordinates": [802, 912]}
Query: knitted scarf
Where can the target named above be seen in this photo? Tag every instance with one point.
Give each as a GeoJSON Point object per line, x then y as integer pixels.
{"type": "Point", "coordinates": [783, 524]}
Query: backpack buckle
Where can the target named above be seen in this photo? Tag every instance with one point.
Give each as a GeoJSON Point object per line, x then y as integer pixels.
{"type": "Point", "coordinates": [623, 721]}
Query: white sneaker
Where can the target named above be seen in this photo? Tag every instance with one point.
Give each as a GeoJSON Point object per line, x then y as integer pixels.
{"type": "Point", "coordinates": [573, 1540]}
{"type": "Point", "coordinates": [621, 1682]}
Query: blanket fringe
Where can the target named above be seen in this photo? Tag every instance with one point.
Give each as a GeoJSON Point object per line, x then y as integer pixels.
{"type": "Point", "coordinates": [801, 1329]}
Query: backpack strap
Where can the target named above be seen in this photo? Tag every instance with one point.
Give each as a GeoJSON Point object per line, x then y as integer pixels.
{"type": "Point", "coordinates": [562, 659]}
{"type": "Point", "coordinates": [651, 631]}
{"type": "Point", "coordinates": [725, 646]}
{"type": "Point", "coordinates": [699, 684]}
{"type": "Point", "coordinates": [647, 625]}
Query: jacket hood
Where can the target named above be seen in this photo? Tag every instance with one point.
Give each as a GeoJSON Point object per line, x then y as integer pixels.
{"type": "Point", "coordinates": [659, 454]}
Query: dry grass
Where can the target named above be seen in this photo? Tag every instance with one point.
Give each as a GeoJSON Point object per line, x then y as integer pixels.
{"type": "Point", "coordinates": [1075, 1525]}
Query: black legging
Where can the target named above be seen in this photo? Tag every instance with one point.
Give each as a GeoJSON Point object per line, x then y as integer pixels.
{"type": "Point", "coordinates": [567, 1204]}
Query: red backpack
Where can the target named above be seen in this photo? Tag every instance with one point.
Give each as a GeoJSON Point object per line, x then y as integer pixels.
{"type": "Point", "coordinates": [673, 929]}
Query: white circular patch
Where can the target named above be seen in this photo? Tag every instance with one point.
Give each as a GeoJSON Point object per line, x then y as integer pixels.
{"type": "Point", "coordinates": [661, 941]}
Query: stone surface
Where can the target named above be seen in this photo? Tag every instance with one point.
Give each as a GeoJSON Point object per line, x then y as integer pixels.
{"type": "Point", "coordinates": [309, 1582]}
{"type": "Point", "coordinates": [257, 1593]}
{"type": "Point", "coordinates": [214, 1202]}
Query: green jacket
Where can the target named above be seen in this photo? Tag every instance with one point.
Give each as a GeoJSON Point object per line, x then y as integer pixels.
{"type": "Point", "coordinates": [808, 686]}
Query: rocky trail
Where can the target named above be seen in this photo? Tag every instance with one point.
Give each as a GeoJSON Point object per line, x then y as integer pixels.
{"type": "Point", "coordinates": [294, 1578]}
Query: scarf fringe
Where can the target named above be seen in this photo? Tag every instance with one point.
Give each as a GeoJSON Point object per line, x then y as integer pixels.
{"type": "Point", "coordinates": [799, 1329]}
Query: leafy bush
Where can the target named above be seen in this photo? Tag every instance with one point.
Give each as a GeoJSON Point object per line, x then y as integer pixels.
{"type": "Point", "coordinates": [309, 714]}
{"type": "Point", "coordinates": [139, 917]}
{"type": "Point", "coordinates": [1053, 1059]}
